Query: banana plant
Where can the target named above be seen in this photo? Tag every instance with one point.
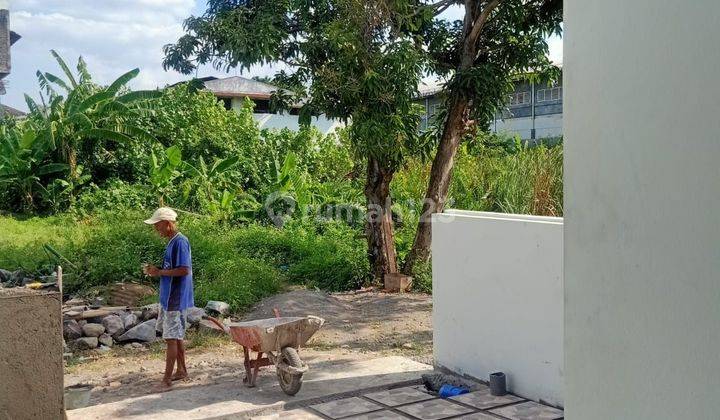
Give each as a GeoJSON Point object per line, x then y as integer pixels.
{"type": "Point", "coordinates": [164, 171]}
{"type": "Point", "coordinates": [203, 180]}
{"type": "Point", "coordinates": [79, 109]}
{"type": "Point", "coordinates": [23, 164]}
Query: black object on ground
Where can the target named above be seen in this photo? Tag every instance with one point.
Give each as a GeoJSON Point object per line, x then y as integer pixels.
{"type": "Point", "coordinates": [497, 384]}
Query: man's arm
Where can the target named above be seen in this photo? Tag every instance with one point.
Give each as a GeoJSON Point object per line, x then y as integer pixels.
{"type": "Point", "coordinates": [172, 272]}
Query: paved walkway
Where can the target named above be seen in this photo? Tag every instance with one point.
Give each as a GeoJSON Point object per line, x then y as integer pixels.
{"type": "Point", "coordinates": [414, 403]}
{"type": "Point", "coordinates": [234, 400]}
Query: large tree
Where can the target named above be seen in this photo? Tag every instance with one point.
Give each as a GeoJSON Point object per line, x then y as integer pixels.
{"type": "Point", "coordinates": [348, 59]}
{"type": "Point", "coordinates": [478, 57]}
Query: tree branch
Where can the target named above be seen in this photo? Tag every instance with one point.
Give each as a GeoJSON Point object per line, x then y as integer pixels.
{"type": "Point", "coordinates": [441, 6]}
{"type": "Point", "coordinates": [480, 22]}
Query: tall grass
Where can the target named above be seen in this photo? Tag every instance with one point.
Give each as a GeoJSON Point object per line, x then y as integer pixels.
{"type": "Point", "coordinates": [235, 264]}
{"type": "Point", "coordinates": [523, 180]}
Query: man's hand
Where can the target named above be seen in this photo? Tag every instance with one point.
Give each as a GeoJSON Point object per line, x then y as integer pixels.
{"type": "Point", "coordinates": [151, 270]}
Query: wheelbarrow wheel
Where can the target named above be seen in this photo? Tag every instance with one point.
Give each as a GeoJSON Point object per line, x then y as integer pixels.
{"type": "Point", "coordinates": [290, 382]}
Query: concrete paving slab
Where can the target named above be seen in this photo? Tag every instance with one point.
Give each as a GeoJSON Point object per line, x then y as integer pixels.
{"type": "Point", "coordinates": [529, 411]}
{"type": "Point", "coordinates": [346, 407]}
{"type": "Point", "coordinates": [234, 400]}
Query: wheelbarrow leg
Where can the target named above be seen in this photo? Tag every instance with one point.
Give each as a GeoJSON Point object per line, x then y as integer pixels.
{"type": "Point", "coordinates": [257, 368]}
{"type": "Point", "coordinates": [248, 369]}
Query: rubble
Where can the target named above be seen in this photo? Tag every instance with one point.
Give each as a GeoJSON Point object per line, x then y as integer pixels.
{"type": "Point", "coordinates": [114, 325]}
{"type": "Point", "coordinates": [71, 330]}
{"type": "Point", "coordinates": [105, 340]}
{"type": "Point", "coordinates": [130, 320]}
{"type": "Point", "coordinates": [85, 343]}
{"type": "Point", "coordinates": [216, 308]}
{"type": "Point", "coordinates": [194, 315]}
{"type": "Point", "coordinates": [92, 330]}
{"type": "Point", "coordinates": [150, 311]}
{"type": "Point", "coordinates": [142, 332]}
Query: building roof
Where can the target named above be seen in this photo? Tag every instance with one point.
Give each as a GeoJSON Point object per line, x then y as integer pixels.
{"type": "Point", "coordinates": [239, 87]}
{"type": "Point", "coordinates": [12, 111]}
{"type": "Point", "coordinates": [429, 88]}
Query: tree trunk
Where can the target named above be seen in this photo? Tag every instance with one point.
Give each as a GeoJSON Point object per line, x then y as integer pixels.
{"type": "Point", "coordinates": [439, 184]}
{"type": "Point", "coordinates": [378, 224]}
{"type": "Point", "coordinates": [455, 126]}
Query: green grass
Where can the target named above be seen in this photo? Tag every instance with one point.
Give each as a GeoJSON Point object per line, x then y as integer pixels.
{"type": "Point", "coordinates": [239, 265]}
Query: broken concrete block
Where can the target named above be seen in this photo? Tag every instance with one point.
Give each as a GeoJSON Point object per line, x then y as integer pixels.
{"type": "Point", "coordinates": [85, 343]}
{"type": "Point", "coordinates": [194, 315]}
{"type": "Point", "coordinates": [105, 340]}
{"type": "Point", "coordinates": [130, 320]}
{"type": "Point", "coordinates": [92, 330]}
{"type": "Point", "coordinates": [150, 311]}
{"type": "Point", "coordinates": [71, 330]}
{"type": "Point", "coordinates": [114, 325]}
{"type": "Point", "coordinates": [215, 308]}
{"type": "Point", "coordinates": [142, 332]}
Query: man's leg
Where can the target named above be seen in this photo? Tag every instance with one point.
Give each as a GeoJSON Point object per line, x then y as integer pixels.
{"type": "Point", "coordinates": [181, 372]}
{"type": "Point", "coordinates": [170, 357]}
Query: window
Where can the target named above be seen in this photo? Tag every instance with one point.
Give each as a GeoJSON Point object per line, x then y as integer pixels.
{"type": "Point", "coordinates": [549, 94]}
{"type": "Point", "coordinates": [519, 98]}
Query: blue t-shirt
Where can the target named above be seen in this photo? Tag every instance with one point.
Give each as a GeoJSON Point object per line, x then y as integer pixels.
{"type": "Point", "coordinates": [176, 293]}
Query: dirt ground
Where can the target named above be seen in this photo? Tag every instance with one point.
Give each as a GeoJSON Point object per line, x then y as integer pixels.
{"type": "Point", "coordinates": [358, 326]}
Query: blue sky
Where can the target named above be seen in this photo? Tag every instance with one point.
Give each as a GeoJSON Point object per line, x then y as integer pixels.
{"type": "Point", "coordinates": [113, 36]}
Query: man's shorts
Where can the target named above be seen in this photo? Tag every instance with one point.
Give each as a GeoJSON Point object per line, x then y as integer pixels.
{"type": "Point", "coordinates": [172, 324]}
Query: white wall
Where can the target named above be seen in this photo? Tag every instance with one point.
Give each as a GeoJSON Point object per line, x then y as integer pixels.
{"type": "Point", "coordinates": [498, 300]}
{"type": "Point", "coordinates": [642, 209]}
{"type": "Point", "coordinates": [545, 126]}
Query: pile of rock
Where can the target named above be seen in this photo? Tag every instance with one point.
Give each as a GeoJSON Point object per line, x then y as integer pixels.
{"type": "Point", "coordinates": [103, 327]}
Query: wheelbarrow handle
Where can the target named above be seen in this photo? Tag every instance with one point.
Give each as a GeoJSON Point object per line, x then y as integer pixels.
{"type": "Point", "coordinates": [217, 322]}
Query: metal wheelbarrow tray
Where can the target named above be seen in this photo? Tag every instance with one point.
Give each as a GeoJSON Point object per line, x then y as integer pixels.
{"type": "Point", "coordinates": [280, 338]}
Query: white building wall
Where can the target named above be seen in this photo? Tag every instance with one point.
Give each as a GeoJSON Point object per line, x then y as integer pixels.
{"type": "Point", "coordinates": [642, 209]}
{"type": "Point", "coordinates": [498, 299]}
{"type": "Point", "coordinates": [545, 126]}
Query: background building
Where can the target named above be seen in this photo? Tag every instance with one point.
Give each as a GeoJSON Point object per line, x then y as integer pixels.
{"type": "Point", "coordinates": [532, 112]}
{"type": "Point", "coordinates": [232, 91]}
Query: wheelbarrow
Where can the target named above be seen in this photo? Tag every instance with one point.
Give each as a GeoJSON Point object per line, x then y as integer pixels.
{"type": "Point", "coordinates": [280, 339]}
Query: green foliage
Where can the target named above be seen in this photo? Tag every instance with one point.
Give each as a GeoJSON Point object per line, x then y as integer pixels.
{"type": "Point", "coordinates": [22, 164]}
{"type": "Point", "coordinates": [237, 265]}
{"type": "Point", "coordinates": [165, 170]}
{"type": "Point", "coordinates": [508, 177]}
{"type": "Point", "coordinates": [106, 154]}
{"type": "Point", "coordinates": [350, 61]}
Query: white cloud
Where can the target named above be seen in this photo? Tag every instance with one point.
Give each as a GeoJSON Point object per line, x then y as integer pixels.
{"type": "Point", "coordinates": [112, 36]}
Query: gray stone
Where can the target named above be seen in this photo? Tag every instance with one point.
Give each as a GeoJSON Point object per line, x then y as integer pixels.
{"type": "Point", "coordinates": [71, 330]}
{"type": "Point", "coordinates": [134, 346]}
{"type": "Point", "coordinates": [85, 343]}
{"type": "Point", "coordinates": [194, 315]}
{"type": "Point", "coordinates": [130, 320]}
{"type": "Point", "coordinates": [150, 311]}
{"type": "Point", "coordinates": [113, 325]}
{"type": "Point", "coordinates": [215, 307]}
{"type": "Point", "coordinates": [82, 322]}
{"type": "Point", "coordinates": [92, 330]}
{"type": "Point", "coordinates": [142, 332]}
{"type": "Point", "coordinates": [105, 340]}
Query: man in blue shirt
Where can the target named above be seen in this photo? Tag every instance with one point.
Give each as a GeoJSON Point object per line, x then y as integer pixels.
{"type": "Point", "coordinates": [176, 291]}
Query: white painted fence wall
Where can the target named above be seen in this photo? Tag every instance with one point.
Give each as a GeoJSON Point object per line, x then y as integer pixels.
{"type": "Point", "coordinates": [498, 299]}
{"type": "Point", "coordinates": [642, 205]}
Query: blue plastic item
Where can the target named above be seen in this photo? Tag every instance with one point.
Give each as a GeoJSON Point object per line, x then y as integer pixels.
{"type": "Point", "coordinates": [448, 390]}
